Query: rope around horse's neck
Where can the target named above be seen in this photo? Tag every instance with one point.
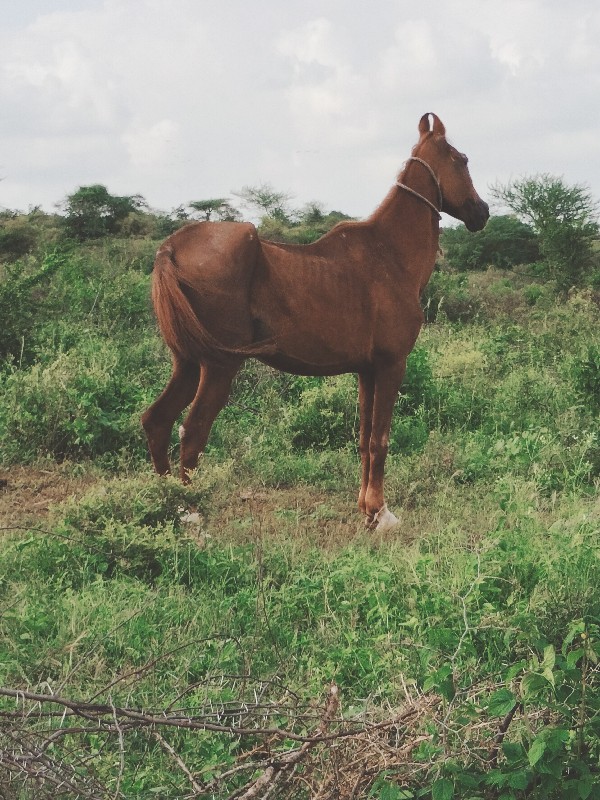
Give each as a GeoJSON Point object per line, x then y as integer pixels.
{"type": "Point", "coordinates": [420, 196]}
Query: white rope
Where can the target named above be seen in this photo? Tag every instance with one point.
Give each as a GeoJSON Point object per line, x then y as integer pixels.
{"type": "Point", "coordinates": [420, 196]}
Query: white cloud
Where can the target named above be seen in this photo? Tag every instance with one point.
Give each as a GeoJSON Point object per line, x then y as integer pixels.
{"type": "Point", "coordinates": [152, 144]}
{"type": "Point", "coordinates": [325, 89]}
{"type": "Point", "coordinates": [319, 97]}
{"type": "Point", "coordinates": [313, 42]}
{"type": "Point", "coordinates": [413, 53]}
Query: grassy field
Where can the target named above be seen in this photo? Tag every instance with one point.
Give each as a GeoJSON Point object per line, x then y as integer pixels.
{"type": "Point", "coordinates": [245, 636]}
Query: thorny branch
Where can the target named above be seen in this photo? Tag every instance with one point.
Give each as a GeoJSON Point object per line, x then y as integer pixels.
{"type": "Point", "coordinates": [53, 746]}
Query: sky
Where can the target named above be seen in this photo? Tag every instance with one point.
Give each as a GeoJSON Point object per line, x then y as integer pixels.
{"type": "Point", "coordinates": [189, 100]}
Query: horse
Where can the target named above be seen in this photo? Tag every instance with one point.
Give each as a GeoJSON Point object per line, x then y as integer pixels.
{"type": "Point", "coordinates": [349, 302]}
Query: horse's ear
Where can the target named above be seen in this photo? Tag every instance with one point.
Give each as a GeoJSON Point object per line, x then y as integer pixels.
{"type": "Point", "coordinates": [425, 125]}
{"type": "Point", "coordinates": [438, 126]}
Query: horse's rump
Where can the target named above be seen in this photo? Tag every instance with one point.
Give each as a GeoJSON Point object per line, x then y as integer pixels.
{"type": "Point", "coordinates": [200, 291]}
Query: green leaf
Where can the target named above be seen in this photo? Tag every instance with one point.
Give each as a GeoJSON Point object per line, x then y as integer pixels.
{"type": "Point", "coordinates": [389, 792]}
{"type": "Point", "coordinates": [442, 789]}
{"type": "Point", "coordinates": [533, 683]}
{"type": "Point", "coordinates": [518, 780]}
{"type": "Point", "coordinates": [549, 657]}
{"type": "Point", "coordinates": [501, 703]}
{"type": "Point", "coordinates": [585, 787]}
{"type": "Point", "coordinates": [537, 750]}
{"type": "Point", "coordinates": [549, 675]}
{"type": "Point", "coordinates": [384, 790]}
{"type": "Point", "coordinates": [513, 751]}
{"type": "Point", "coordinates": [496, 777]}
{"type": "Point", "coordinates": [574, 656]}
{"type": "Point", "coordinates": [577, 628]}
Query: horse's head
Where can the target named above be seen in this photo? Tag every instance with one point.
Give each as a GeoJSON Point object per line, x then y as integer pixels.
{"type": "Point", "coordinates": [449, 166]}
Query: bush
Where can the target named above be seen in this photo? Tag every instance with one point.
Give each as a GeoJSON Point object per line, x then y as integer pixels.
{"type": "Point", "coordinates": [17, 238]}
{"type": "Point", "coordinates": [132, 527]}
{"type": "Point", "coordinates": [504, 243]}
{"type": "Point", "coordinates": [449, 294]}
{"type": "Point", "coordinates": [586, 375]}
{"type": "Point", "coordinates": [326, 416]}
{"type": "Point", "coordinates": [80, 404]}
{"type": "Point", "coordinates": [565, 220]}
{"type": "Point", "coordinates": [92, 212]}
{"type": "Point", "coordinates": [18, 309]}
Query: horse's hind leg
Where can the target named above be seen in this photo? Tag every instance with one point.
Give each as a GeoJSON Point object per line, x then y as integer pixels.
{"type": "Point", "coordinates": [213, 393]}
{"type": "Point", "coordinates": [159, 419]}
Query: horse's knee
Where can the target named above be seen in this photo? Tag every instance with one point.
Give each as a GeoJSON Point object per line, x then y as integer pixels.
{"type": "Point", "coordinates": [150, 423]}
{"type": "Point", "coordinates": [378, 450]}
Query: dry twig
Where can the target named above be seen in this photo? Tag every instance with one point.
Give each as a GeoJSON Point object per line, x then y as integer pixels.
{"type": "Point", "coordinates": [277, 746]}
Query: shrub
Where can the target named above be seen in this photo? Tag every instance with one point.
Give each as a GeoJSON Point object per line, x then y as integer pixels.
{"type": "Point", "coordinates": [18, 309]}
{"type": "Point", "coordinates": [92, 212]}
{"type": "Point", "coordinates": [80, 404]}
{"type": "Point", "coordinates": [504, 243]}
{"type": "Point", "coordinates": [586, 376]}
{"type": "Point", "coordinates": [326, 416]}
{"type": "Point", "coordinates": [449, 294]}
{"type": "Point", "coordinates": [17, 238]}
{"type": "Point", "coordinates": [564, 218]}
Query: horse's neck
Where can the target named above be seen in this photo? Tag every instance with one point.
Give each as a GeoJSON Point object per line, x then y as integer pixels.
{"type": "Point", "coordinates": [412, 230]}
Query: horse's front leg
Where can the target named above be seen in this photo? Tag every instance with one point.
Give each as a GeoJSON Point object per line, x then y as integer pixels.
{"type": "Point", "coordinates": [366, 389]}
{"type": "Point", "coordinates": [387, 383]}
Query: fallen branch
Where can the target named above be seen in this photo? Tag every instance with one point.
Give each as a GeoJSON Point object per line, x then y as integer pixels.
{"type": "Point", "coordinates": [291, 759]}
{"type": "Point", "coordinates": [52, 746]}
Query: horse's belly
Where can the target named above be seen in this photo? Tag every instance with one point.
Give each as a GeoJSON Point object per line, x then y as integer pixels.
{"type": "Point", "coordinates": [300, 366]}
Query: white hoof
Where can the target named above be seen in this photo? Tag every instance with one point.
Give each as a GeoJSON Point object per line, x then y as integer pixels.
{"type": "Point", "coordinates": [384, 520]}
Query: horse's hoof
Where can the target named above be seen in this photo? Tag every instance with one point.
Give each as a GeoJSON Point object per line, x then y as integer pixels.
{"type": "Point", "coordinates": [384, 520]}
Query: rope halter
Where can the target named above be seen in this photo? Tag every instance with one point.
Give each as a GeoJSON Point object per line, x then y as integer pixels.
{"type": "Point", "coordinates": [420, 196]}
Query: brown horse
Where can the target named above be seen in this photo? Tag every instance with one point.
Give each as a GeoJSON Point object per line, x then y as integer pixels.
{"type": "Point", "coordinates": [349, 302]}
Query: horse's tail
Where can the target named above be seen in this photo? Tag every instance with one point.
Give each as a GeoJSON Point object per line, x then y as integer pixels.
{"type": "Point", "coordinates": [181, 329]}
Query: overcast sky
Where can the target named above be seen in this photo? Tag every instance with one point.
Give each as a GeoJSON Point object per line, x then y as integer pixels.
{"type": "Point", "coordinates": [188, 99]}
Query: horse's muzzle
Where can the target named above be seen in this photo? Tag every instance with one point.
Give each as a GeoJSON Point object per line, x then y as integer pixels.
{"type": "Point", "coordinates": [476, 214]}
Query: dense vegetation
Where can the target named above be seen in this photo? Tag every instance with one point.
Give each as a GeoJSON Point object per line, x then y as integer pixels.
{"type": "Point", "coordinates": [464, 645]}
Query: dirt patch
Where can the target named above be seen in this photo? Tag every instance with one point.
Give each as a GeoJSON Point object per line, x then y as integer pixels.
{"type": "Point", "coordinates": [239, 513]}
{"type": "Point", "coordinates": [302, 513]}
{"type": "Point", "coordinates": [27, 493]}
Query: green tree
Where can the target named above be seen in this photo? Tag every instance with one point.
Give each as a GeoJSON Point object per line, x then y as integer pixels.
{"type": "Point", "coordinates": [313, 213]}
{"type": "Point", "coordinates": [92, 212]}
{"type": "Point", "coordinates": [220, 207]}
{"type": "Point", "coordinates": [564, 217]}
{"type": "Point", "coordinates": [267, 200]}
{"type": "Point", "coordinates": [505, 242]}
